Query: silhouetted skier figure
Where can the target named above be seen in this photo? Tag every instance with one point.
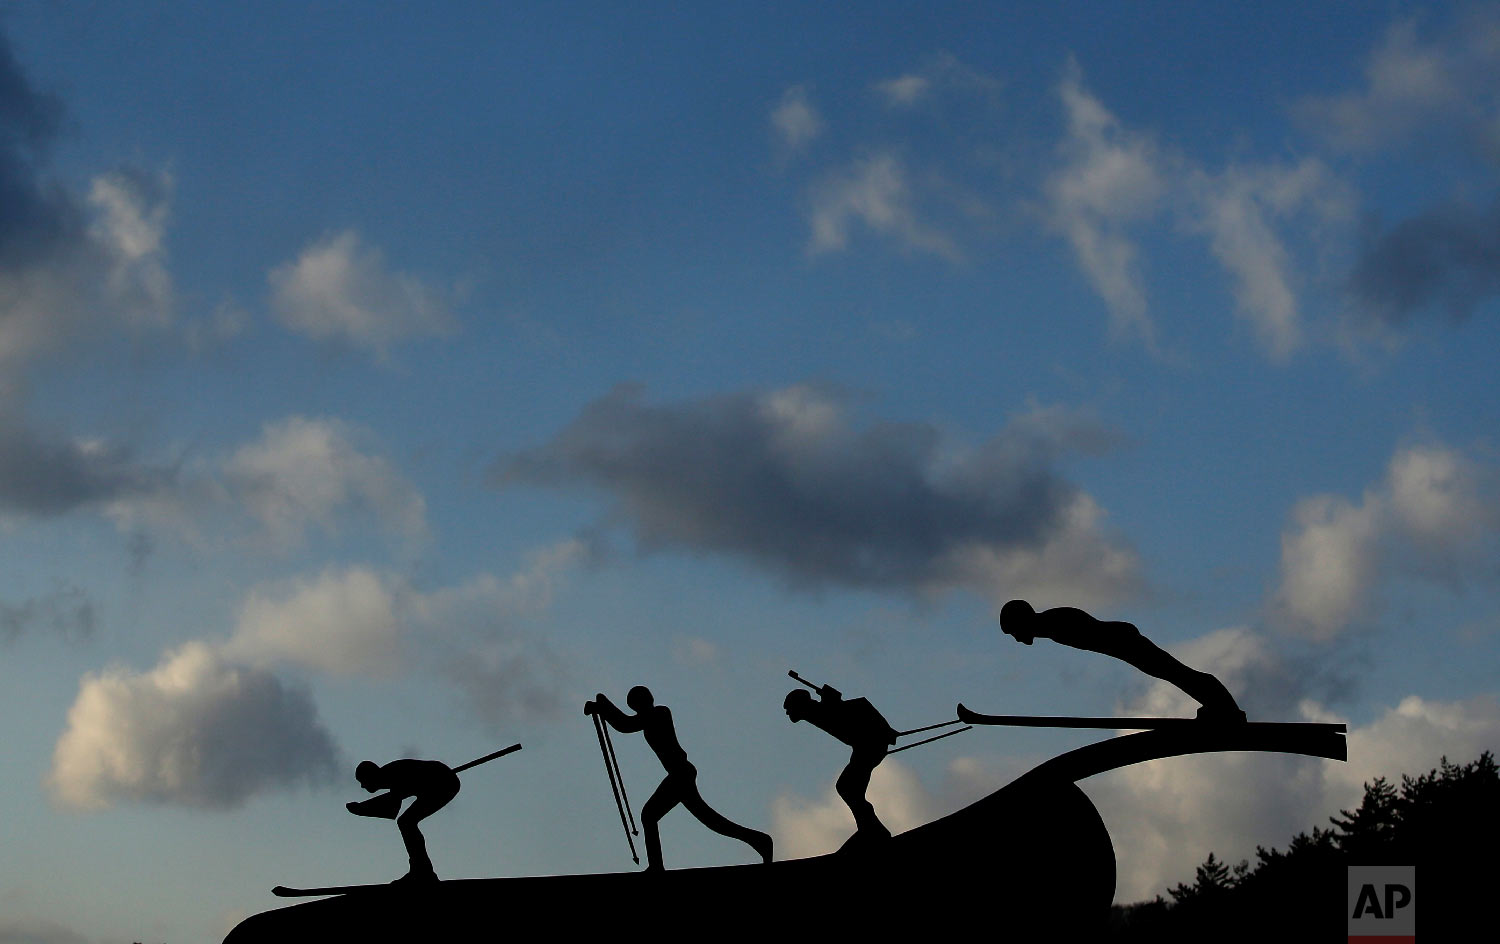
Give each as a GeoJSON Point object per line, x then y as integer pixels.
{"type": "Point", "coordinates": [1073, 627]}
{"type": "Point", "coordinates": [681, 783]}
{"type": "Point", "coordinates": [855, 722]}
{"type": "Point", "coordinates": [432, 782]}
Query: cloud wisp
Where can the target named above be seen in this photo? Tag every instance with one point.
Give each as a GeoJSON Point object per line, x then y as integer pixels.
{"type": "Point", "coordinates": [1109, 178]}
{"type": "Point", "coordinates": [790, 481]}
{"type": "Point", "coordinates": [301, 476]}
{"type": "Point", "coordinates": [944, 73]}
{"type": "Point", "coordinates": [796, 120]}
{"type": "Point", "coordinates": [875, 193]}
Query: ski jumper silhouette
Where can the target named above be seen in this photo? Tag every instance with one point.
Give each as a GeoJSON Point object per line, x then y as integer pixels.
{"type": "Point", "coordinates": [681, 783]}
{"type": "Point", "coordinates": [432, 782]}
{"type": "Point", "coordinates": [855, 722]}
{"type": "Point", "coordinates": [1073, 627]}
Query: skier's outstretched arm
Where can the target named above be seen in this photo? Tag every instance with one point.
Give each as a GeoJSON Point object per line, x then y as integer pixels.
{"type": "Point", "coordinates": [619, 720]}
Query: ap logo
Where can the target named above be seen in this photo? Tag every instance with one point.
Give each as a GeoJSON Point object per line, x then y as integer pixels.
{"type": "Point", "coordinates": [1382, 904]}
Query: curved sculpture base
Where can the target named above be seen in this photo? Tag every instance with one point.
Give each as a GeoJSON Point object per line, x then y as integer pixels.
{"type": "Point", "coordinates": [1031, 858]}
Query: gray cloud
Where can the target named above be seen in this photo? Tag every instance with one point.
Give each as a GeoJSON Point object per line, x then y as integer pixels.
{"type": "Point", "coordinates": [69, 263]}
{"type": "Point", "coordinates": [788, 481]}
{"type": "Point", "coordinates": [45, 475]}
{"type": "Point", "coordinates": [1446, 259]}
{"type": "Point", "coordinates": [67, 612]}
{"type": "Point", "coordinates": [32, 215]}
{"type": "Point", "coordinates": [23, 930]}
{"type": "Point", "coordinates": [1430, 87]}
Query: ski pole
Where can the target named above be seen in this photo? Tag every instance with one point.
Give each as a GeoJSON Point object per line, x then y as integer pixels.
{"type": "Point", "coordinates": [613, 786]}
{"type": "Point", "coordinates": [487, 758]}
{"type": "Point", "coordinates": [937, 737]}
{"type": "Point", "coordinates": [609, 742]}
{"type": "Point", "coordinates": [940, 724]}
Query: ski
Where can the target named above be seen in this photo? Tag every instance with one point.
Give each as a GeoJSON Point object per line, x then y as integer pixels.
{"type": "Point", "coordinates": [1130, 724]}
{"type": "Point", "coordinates": [282, 891]}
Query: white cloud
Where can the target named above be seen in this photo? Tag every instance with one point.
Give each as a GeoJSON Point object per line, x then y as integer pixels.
{"type": "Point", "coordinates": [875, 193]}
{"type": "Point", "coordinates": [195, 730]}
{"type": "Point", "coordinates": [1435, 515]}
{"type": "Point", "coordinates": [339, 289]}
{"type": "Point", "coordinates": [1109, 178]}
{"type": "Point", "coordinates": [341, 622]}
{"type": "Point", "coordinates": [795, 120]}
{"type": "Point", "coordinates": [804, 827]}
{"type": "Point", "coordinates": [304, 472]}
{"type": "Point", "coordinates": [1412, 738]}
{"type": "Point", "coordinates": [813, 827]}
{"type": "Point", "coordinates": [1328, 563]}
{"type": "Point", "coordinates": [1080, 563]}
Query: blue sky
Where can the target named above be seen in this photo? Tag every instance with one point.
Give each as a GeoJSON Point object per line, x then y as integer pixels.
{"type": "Point", "coordinates": [379, 382]}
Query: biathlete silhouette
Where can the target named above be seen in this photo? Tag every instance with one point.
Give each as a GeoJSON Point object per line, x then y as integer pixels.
{"type": "Point", "coordinates": [1073, 627]}
{"type": "Point", "coordinates": [858, 724]}
{"type": "Point", "coordinates": [681, 783]}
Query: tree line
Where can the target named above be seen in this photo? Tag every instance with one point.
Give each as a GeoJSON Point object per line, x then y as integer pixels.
{"type": "Point", "coordinates": [1445, 822]}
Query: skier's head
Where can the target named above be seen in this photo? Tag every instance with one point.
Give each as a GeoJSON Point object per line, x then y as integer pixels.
{"type": "Point", "coordinates": [1015, 619]}
{"type": "Point", "coordinates": [368, 775]}
{"type": "Point", "coordinates": [797, 704]}
{"type": "Point", "coordinates": [639, 698]}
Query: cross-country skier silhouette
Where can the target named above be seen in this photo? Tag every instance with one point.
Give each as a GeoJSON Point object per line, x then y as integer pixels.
{"type": "Point", "coordinates": [681, 783]}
